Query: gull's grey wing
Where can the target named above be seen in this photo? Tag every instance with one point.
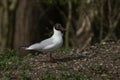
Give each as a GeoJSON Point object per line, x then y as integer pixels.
{"type": "Point", "coordinates": [41, 45]}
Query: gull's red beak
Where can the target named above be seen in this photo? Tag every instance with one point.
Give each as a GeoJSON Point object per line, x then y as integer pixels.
{"type": "Point", "coordinates": [63, 29]}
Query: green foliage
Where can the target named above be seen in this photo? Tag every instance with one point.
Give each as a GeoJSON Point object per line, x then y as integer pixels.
{"type": "Point", "coordinates": [98, 70]}
{"type": "Point", "coordinates": [6, 64]}
{"type": "Point", "coordinates": [7, 76]}
{"type": "Point", "coordinates": [49, 76]}
{"type": "Point", "coordinates": [28, 56]}
{"type": "Point", "coordinates": [24, 66]}
{"type": "Point", "coordinates": [73, 77]}
{"type": "Point", "coordinates": [24, 76]}
{"type": "Point", "coordinates": [8, 59]}
{"type": "Point", "coordinates": [7, 54]}
{"type": "Point", "coordinates": [105, 78]}
{"type": "Point", "coordinates": [65, 76]}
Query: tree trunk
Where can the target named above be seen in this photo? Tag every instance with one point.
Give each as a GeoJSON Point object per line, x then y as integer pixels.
{"type": "Point", "coordinates": [84, 31]}
{"type": "Point", "coordinates": [7, 23]}
{"type": "Point", "coordinates": [68, 24]}
{"type": "Point", "coordinates": [4, 24]}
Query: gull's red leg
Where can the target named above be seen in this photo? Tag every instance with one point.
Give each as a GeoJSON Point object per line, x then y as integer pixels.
{"type": "Point", "coordinates": [51, 58]}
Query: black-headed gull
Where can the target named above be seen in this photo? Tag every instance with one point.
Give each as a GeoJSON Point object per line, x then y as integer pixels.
{"type": "Point", "coordinates": [52, 43]}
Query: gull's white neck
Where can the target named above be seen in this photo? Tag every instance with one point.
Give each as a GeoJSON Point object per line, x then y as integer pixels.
{"type": "Point", "coordinates": [57, 33]}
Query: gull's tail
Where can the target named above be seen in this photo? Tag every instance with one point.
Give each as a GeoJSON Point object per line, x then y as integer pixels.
{"type": "Point", "coordinates": [26, 48]}
{"type": "Point", "coordinates": [23, 48]}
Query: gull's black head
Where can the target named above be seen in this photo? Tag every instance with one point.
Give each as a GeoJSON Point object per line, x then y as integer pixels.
{"type": "Point", "coordinates": [59, 27]}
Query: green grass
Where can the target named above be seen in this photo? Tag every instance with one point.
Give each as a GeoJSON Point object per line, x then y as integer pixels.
{"type": "Point", "coordinates": [9, 61]}
{"type": "Point", "coordinates": [7, 76]}
{"type": "Point", "coordinates": [63, 76]}
{"type": "Point", "coordinates": [24, 76]}
{"type": "Point", "coordinates": [99, 69]}
{"type": "Point", "coordinates": [105, 78]}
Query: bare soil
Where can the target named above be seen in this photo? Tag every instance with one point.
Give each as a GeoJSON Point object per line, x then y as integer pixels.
{"type": "Point", "coordinates": [96, 62]}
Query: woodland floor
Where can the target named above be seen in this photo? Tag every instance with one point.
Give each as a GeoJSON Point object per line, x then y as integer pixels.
{"type": "Point", "coordinates": [96, 62]}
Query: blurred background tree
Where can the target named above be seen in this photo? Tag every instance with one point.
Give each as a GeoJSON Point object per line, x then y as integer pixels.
{"type": "Point", "coordinates": [7, 15]}
{"type": "Point", "coordinates": [24, 22]}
